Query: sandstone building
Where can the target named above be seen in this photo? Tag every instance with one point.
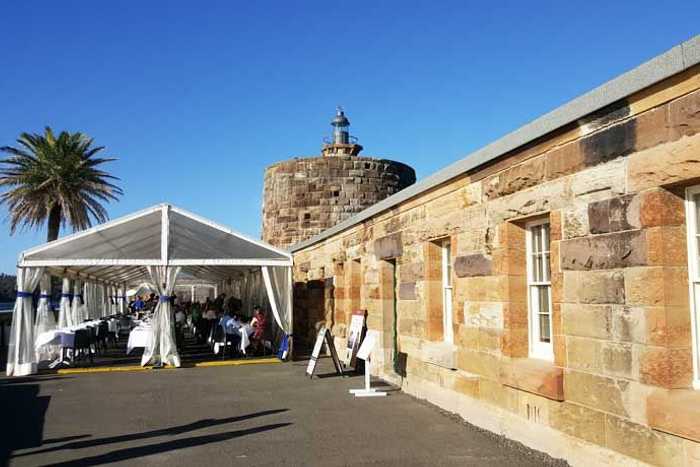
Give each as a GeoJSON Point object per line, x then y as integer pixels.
{"type": "Point", "coordinates": [303, 197]}
{"type": "Point", "coordinates": [547, 286]}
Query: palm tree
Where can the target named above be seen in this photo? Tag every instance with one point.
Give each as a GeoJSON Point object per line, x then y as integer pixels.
{"type": "Point", "coordinates": [56, 180]}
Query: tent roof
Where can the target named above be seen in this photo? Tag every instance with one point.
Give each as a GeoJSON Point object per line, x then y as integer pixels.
{"type": "Point", "coordinates": [119, 250]}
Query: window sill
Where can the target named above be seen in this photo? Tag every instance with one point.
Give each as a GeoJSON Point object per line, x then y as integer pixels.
{"type": "Point", "coordinates": [537, 376]}
{"type": "Point", "coordinates": [675, 411]}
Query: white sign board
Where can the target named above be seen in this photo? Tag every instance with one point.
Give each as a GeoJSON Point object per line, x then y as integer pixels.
{"type": "Point", "coordinates": [354, 334]}
{"type": "Point", "coordinates": [368, 344]}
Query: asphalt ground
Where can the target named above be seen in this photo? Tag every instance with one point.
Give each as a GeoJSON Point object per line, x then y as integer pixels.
{"type": "Point", "coordinates": [262, 414]}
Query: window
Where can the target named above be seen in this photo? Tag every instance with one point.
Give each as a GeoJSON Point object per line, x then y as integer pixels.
{"type": "Point", "coordinates": [448, 333]}
{"type": "Point", "coordinates": [692, 219]}
{"type": "Point", "coordinates": [539, 290]}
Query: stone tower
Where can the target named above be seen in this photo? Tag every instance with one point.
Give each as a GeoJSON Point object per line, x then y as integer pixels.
{"type": "Point", "coordinates": [306, 195]}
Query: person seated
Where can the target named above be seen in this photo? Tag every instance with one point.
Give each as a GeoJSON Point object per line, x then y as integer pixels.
{"type": "Point", "coordinates": [259, 324]}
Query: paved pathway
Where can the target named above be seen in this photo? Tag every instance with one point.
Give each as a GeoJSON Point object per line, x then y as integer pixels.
{"type": "Point", "coordinates": [241, 415]}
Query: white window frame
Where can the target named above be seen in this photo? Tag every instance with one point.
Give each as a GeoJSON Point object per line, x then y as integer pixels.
{"type": "Point", "coordinates": [693, 277]}
{"type": "Point", "coordinates": [447, 312]}
{"type": "Point", "coordinates": [537, 348]}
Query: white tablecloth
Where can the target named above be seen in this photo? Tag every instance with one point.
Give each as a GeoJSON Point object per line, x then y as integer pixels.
{"type": "Point", "coordinates": [245, 331]}
{"type": "Point", "coordinates": [141, 336]}
{"type": "Point", "coordinates": [63, 337]}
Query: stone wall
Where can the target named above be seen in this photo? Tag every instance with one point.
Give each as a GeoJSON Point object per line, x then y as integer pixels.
{"type": "Point", "coordinates": [618, 389]}
{"type": "Point", "coordinates": [303, 197]}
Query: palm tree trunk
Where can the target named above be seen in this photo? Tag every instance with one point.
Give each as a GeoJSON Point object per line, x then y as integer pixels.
{"type": "Point", "coordinates": [54, 223]}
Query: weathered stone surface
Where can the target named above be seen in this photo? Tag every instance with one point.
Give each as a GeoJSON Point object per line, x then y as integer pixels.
{"type": "Point", "coordinates": [565, 160]}
{"type": "Point", "coordinates": [305, 196]}
{"type": "Point", "coordinates": [575, 222]}
{"type": "Point", "coordinates": [684, 115]}
{"type": "Point", "coordinates": [389, 246]}
{"type": "Point", "coordinates": [665, 164]}
{"type": "Point", "coordinates": [483, 315]}
{"type": "Point", "coordinates": [609, 143]}
{"type": "Point", "coordinates": [578, 421]}
{"type": "Point", "coordinates": [407, 291]}
{"type": "Point", "coordinates": [587, 320]}
{"type": "Point", "coordinates": [668, 368]}
{"type": "Point", "coordinates": [535, 376]}
{"type": "Point", "coordinates": [660, 207]}
{"type": "Point", "coordinates": [642, 443]}
{"type": "Point", "coordinates": [594, 287]}
{"type": "Point", "coordinates": [676, 411]}
{"type": "Point", "coordinates": [600, 182]}
{"type": "Point", "coordinates": [472, 265]}
{"type": "Point", "coordinates": [601, 392]}
{"type": "Point", "coordinates": [611, 251]}
{"type": "Point", "coordinates": [652, 128]}
{"type": "Point", "coordinates": [411, 272]}
{"type": "Point", "coordinates": [517, 178]}
{"type": "Point", "coordinates": [613, 215]}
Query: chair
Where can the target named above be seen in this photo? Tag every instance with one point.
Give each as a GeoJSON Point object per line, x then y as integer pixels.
{"type": "Point", "coordinates": [219, 337]}
{"type": "Point", "coordinates": [103, 335]}
{"type": "Point", "coordinates": [80, 343]}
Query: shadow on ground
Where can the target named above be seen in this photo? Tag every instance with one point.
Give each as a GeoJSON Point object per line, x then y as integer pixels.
{"type": "Point", "coordinates": [23, 411]}
{"type": "Point", "coordinates": [172, 431]}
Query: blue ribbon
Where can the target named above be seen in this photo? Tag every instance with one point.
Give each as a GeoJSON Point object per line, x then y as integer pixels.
{"type": "Point", "coordinates": [164, 298]}
{"type": "Point", "coordinates": [44, 296]}
{"type": "Point", "coordinates": [66, 295]}
{"type": "Point", "coordinates": [24, 294]}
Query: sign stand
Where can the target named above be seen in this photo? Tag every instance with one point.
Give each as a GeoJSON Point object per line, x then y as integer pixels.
{"type": "Point", "coordinates": [364, 354]}
{"type": "Point", "coordinates": [324, 336]}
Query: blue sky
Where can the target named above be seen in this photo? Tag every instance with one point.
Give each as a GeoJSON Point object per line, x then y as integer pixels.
{"type": "Point", "coordinates": [197, 98]}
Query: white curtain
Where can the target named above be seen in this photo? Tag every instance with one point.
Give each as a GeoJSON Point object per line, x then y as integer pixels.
{"type": "Point", "coordinates": [77, 304]}
{"type": "Point", "coordinates": [104, 303]}
{"type": "Point", "coordinates": [20, 352]}
{"type": "Point", "coordinates": [112, 299]}
{"type": "Point", "coordinates": [84, 313]}
{"type": "Point", "coordinates": [121, 292]}
{"type": "Point", "coordinates": [163, 349]}
{"type": "Point", "coordinates": [279, 285]}
{"type": "Point", "coordinates": [65, 317]}
{"type": "Point", "coordinates": [45, 320]}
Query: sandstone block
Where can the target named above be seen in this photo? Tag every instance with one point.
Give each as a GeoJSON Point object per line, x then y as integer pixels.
{"type": "Point", "coordinates": [666, 164]}
{"type": "Point", "coordinates": [584, 354]}
{"type": "Point", "coordinates": [652, 128]}
{"type": "Point", "coordinates": [660, 207]}
{"type": "Point", "coordinates": [565, 160]}
{"type": "Point", "coordinates": [676, 411]}
{"type": "Point", "coordinates": [580, 422]}
{"type": "Point", "coordinates": [479, 363]}
{"type": "Point", "coordinates": [535, 376]}
{"type": "Point", "coordinates": [601, 392]}
{"type": "Point", "coordinates": [618, 360]}
{"type": "Point", "coordinates": [641, 324]}
{"type": "Point", "coordinates": [407, 291]}
{"type": "Point", "coordinates": [587, 320]}
{"type": "Point", "coordinates": [472, 265]}
{"type": "Point", "coordinates": [595, 287]}
{"type": "Point", "coordinates": [614, 214]}
{"type": "Point", "coordinates": [642, 443]}
{"type": "Point", "coordinates": [513, 179]}
{"type": "Point", "coordinates": [609, 143]}
{"type": "Point", "coordinates": [610, 251]}
{"type": "Point", "coordinates": [493, 392]}
{"type": "Point", "coordinates": [666, 246]}
{"type": "Point", "coordinates": [600, 182]}
{"type": "Point", "coordinates": [668, 368]}
{"type": "Point", "coordinates": [575, 222]}
{"type": "Point", "coordinates": [684, 115]}
{"type": "Point", "coordinates": [389, 246]}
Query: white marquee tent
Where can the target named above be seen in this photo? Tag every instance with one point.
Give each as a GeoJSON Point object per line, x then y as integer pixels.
{"type": "Point", "coordinates": [162, 245]}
